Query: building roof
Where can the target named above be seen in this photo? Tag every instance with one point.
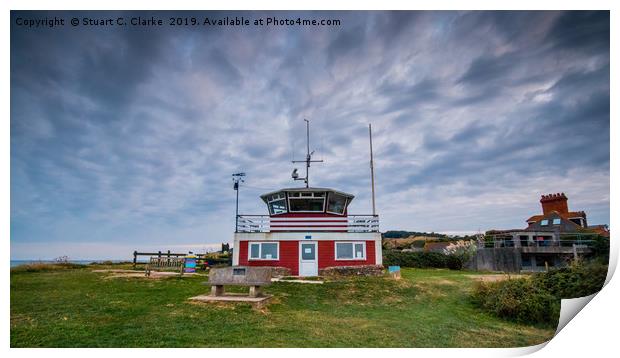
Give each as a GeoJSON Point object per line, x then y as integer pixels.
{"type": "Point", "coordinates": [569, 215]}
{"type": "Point", "coordinates": [304, 189]}
{"type": "Point", "coordinates": [436, 246]}
{"type": "Point", "coordinates": [600, 229]}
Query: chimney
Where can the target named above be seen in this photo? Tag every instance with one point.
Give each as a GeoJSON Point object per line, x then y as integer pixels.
{"type": "Point", "coordinates": [554, 202]}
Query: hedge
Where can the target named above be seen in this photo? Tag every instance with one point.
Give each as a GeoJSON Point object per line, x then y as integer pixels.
{"type": "Point", "coordinates": [537, 299]}
{"type": "Point", "coordinates": [414, 259]}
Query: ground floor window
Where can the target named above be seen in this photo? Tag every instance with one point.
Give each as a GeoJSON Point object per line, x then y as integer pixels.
{"type": "Point", "coordinates": [264, 251]}
{"type": "Point", "coordinates": [350, 250]}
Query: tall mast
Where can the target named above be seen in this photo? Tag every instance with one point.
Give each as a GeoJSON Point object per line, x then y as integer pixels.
{"type": "Point", "coordinates": [307, 149]}
{"type": "Point", "coordinates": [308, 157]}
{"type": "Point", "coordinates": [372, 171]}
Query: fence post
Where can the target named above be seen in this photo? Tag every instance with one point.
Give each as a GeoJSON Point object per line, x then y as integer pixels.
{"type": "Point", "coordinates": [135, 256]}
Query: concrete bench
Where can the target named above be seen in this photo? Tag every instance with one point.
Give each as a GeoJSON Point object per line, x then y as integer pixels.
{"type": "Point", "coordinates": [253, 277]}
{"type": "Point", "coordinates": [176, 264]}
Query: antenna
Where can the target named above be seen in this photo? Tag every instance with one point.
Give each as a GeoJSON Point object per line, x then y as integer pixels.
{"type": "Point", "coordinates": [372, 170]}
{"type": "Point", "coordinates": [237, 177]}
{"type": "Point", "coordinates": [308, 157]}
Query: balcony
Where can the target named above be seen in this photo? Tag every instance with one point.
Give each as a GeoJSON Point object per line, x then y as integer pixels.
{"type": "Point", "coordinates": [265, 223]}
{"type": "Point", "coordinates": [562, 246]}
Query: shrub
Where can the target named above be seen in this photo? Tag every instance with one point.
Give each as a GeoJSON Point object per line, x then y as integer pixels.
{"type": "Point", "coordinates": [459, 252]}
{"type": "Point", "coordinates": [600, 249]}
{"type": "Point", "coordinates": [574, 281]}
{"type": "Point", "coordinates": [537, 299]}
{"type": "Point", "coordinates": [518, 300]}
{"type": "Point", "coordinates": [454, 262]}
{"type": "Point", "coordinates": [414, 259]}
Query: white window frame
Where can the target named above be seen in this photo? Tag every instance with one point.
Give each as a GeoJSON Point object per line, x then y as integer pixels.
{"type": "Point", "coordinates": [346, 202]}
{"type": "Point", "coordinates": [544, 222]}
{"type": "Point", "coordinates": [353, 243]}
{"type": "Point", "coordinates": [559, 221]}
{"type": "Point", "coordinates": [260, 250]}
{"type": "Point", "coordinates": [302, 197]}
{"type": "Point", "coordinates": [580, 220]}
{"type": "Point", "coordinates": [277, 197]}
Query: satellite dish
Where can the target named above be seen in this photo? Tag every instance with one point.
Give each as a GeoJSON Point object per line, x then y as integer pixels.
{"type": "Point", "coordinates": [294, 174]}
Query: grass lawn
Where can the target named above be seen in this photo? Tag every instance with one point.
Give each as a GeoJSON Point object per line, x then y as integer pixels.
{"type": "Point", "coordinates": [427, 308]}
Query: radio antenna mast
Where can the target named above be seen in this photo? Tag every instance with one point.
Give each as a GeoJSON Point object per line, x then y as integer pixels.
{"type": "Point", "coordinates": [308, 157]}
{"type": "Point", "coordinates": [372, 171]}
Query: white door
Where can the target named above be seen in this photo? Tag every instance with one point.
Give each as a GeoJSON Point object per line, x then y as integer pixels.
{"type": "Point", "coordinates": [308, 262]}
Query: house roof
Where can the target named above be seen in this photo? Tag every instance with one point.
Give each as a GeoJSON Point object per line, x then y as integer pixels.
{"type": "Point", "coordinates": [600, 229]}
{"type": "Point", "coordinates": [436, 246]}
{"type": "Point", "coordinates": [569, 215]}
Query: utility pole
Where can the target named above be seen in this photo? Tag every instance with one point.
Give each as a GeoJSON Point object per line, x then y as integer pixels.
{"type": "Point", "coordinates": [308, 157]}
{"type": "Point", "coordinates": [372, 171]}
{"type": "Point", "coordinates": [237, 177]}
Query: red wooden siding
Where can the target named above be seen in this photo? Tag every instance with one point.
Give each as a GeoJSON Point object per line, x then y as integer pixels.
{"type": "Point", "coordinates": [327, 255]}
{"type": "Point", "coordinates": [289, 256]}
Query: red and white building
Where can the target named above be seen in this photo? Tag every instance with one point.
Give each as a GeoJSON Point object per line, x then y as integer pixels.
{"type": "Point", "coordinates": [307, 229]}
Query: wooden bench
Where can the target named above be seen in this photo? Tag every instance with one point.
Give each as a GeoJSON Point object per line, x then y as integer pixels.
{"type": "Point", "coordinates": [253, 277]}
{"type": "Point", "coordinates": [176, 264]}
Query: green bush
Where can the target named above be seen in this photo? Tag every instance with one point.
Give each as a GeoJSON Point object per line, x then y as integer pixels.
{"type": "Point", "coordinates": [414, 259]}
{"type": "Point", "coordinates": [537, 299]}
{"type": "Point", "coordinates": [574, 281]}
{"type": "Point", "coordinates": [518, 300]}
{"type": "Point", "coordinates": [600, 250]}
{"type": "Point", "coordinates": [454, 262]}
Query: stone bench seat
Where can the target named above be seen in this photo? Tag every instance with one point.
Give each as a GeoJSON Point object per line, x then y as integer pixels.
{"type": "Point", "coordinates": [252, 277]}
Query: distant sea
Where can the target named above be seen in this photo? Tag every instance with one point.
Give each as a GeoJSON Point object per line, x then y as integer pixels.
{"type": "Point", "coordinates": [81, 262]}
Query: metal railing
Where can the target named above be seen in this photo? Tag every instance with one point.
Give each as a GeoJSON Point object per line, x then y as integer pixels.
{"type": "Point", "coordinates": [262, 223]}
{"type": "Point", "coordinates": [536, 243]}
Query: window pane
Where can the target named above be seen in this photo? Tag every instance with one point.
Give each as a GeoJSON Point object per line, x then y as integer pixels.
{"type": "Point", "coordinates": [359, 251]}
{"type": "Point", "coordinates": [556, 221]}
{"type": "Point", "coordinates": [278, 206]}
{"type": "Point", "coordinates": [307, 251]}
{"type": "Point", "coordinates": [336, 203]}
{"type": "Point", "coordinates": [344, 250]}
{"type": "Point", "coordinates": [254, 250]}
{"type": "Point", "coordinates": [269, 251]}
{"type": "Point", "coordinates": [307, 204]}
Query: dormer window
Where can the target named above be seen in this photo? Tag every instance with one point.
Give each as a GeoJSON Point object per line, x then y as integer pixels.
{"type": "Point", "coordinates": [556, 221]}
{"type": "Point", "coordinates": [544, 222]}
{"type": "Point", "coordinates": [578, 221]}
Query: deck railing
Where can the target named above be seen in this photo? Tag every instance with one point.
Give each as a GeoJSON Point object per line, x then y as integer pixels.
{"type": "Point", "coordinates": [354, 223]}
{"type": "Point", "coordinates": [537, 243]}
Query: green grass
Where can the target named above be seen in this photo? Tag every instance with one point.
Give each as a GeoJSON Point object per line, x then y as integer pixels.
{"type": "Point", "coordinates": [427, 308]}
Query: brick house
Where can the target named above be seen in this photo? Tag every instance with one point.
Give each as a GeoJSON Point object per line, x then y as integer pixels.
{"type": "Point", "coordinates": [552, 238]}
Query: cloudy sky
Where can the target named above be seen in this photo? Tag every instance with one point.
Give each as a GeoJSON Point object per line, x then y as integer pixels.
{"type": "Point", "coordinates": [125, 138]}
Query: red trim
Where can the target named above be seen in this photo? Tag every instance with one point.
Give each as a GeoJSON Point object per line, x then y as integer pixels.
{"type": "Point", "coordinates": [309, 215]}
{"type": "Point", "coordinates": [308, 221]}
{"type": "Point", "coordinates": [309, 225]}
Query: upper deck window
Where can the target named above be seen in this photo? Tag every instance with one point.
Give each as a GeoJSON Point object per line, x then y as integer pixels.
{"type": "Point", "coordinates": [307, 202]}
{"type": "Point", "coordinates": [336, 203]}
{"type": "Point", "coordinates": [277, 203]}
